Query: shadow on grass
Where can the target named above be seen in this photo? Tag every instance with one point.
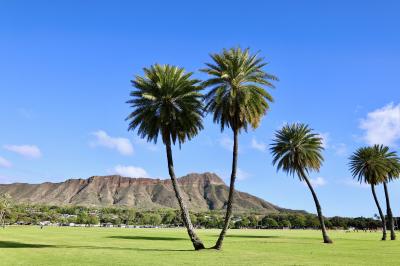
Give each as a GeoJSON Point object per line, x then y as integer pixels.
{"type": "Point", "coordinates": [12, 244]}
{"type": "Point", "coordinates": [152, 238]}
{"type": "Point", "coordinates": [127, 249]}
{"type": "Point", "coordinates": [251, 236]}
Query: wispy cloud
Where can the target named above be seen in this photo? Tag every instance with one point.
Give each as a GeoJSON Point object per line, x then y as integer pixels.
{"type": "Point", "coordinates": [148, 145]}
{"type": "Point", "coordinates": [226, 142]}
{"type": "Point", "coordinates": [318, 182]}
{"type": "Point", "coordinates": [102, 139]}
{"type": "Point", "coordinates": [29, 151]}
{"type": "Point", "coordinates": [226, 175]}
{"type": "Point", "coordinates": [353, 183]}
{"type": "Point", "coordinates": [242, 175]}
{"type": "Point", "coordinates": [258, 145]}
{"type": "Point", "coordinates": [6, 179]}
{"type": "Point", "coordinates": [26, 113]}
{"type": "Point", "coordinates": [340, 149]}
{"type": "Point", "coordinates": [325, 139]}
{"type": "Point", "coordinates": [382, 126]}
{"type": "Point", "coordinates": [129, 171]}
{"type": "Point", "coordinates": [5, 163]}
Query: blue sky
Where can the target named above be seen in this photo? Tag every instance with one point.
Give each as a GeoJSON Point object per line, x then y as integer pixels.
{"type": "Point", "coordinates": [66, 69]}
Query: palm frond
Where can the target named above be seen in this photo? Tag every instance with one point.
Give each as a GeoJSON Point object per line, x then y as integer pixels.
{"type": "Point", "coordinates": [166, 101]}
{"type": "Point", "coordinates": [237, 97]}
{"type": "Point", "coordinates": [374, 164]}
{"type": "Point", "coordinates": [297, 150]}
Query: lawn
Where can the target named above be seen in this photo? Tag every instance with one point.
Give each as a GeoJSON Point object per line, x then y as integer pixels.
{"type": "Point", "coordinates": [120, 246]}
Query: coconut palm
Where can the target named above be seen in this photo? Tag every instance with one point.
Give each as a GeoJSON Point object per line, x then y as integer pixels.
{"type": "Point", "coordinates": [369, 165]}
{"type": "Point", "coordinates": [238, 100]}
{"type": "Point", "coordinates": [167, 102]}
{"type": "Point", "coordinates": [393, 170]}
{"type": "Point", "coordinates": [297, 150]}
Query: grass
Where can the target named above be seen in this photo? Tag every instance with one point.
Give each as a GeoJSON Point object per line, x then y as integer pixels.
{"type": "Point", "coordinates": [119, 246]}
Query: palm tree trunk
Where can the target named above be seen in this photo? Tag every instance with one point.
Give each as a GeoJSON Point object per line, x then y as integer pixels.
{"type": "Point", "coordinates": [380, 212]}
{"type": "Point", "coordinates": [228, 215]}
{"type": "Point", "coordinates": [197, 244]}
{"type": "Point", "coordinates": [389, 213]}
{"type": "Point", "coordinates": [2, 218]}
{"type": "Point", "coordinates": [325, 236]}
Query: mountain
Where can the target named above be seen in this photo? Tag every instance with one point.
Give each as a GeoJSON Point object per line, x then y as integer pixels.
{"type": "Point", "coordinates": [201, 192]}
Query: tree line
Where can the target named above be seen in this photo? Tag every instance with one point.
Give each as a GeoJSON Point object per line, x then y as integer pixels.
{"type": "Point", "coordinates": [63, 216]}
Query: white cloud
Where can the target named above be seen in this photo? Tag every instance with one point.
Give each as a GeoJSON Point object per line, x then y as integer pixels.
{"type": "Point", "coordinates": [340, 149]}
{"type": "Point", "coordinates": [325, 139]}
{"type": "Point", "coordinates": [354, 183]}
{"type": "Point", "coordinates": [130, 171]}
{"type": "Point", "coordinates": [207, 141]}
{"type": "Point", "coordinates": [226, 143]}
{"type": "Point", "coordinates": [382, 126]}
{"type": "Point", "coordinates": [242, 175]}
{"type": "Point", "coordinates": [260, 146]}
{"type": "Point", "coordinates": [148, 145]}
{"type": "Point", "coordinates": [226, 175]}
{"type": "Point", "coordinates": [122, 145]}
{"type": "Point", "coordinates": [318, 182]}
{"type": "Point", "coordinates": [5, 163]}
{"type": "Point", "coordinates": [6, 179]}
{"type": "Point", "coordinates": [30, 151]}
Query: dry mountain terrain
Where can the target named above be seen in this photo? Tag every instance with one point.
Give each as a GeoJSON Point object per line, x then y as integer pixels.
{"type": "Point", "coordinates": [201, 191]}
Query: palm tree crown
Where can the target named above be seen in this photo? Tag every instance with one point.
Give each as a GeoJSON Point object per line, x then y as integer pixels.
{"type": "Point", "coordinates": [167, 101]}
{"type": "Point", "coordinates": [374, 165]}
{"type": "Point", "coordinates": [237, 98]}
{"type": "Point", "coordinates": [297, 150]}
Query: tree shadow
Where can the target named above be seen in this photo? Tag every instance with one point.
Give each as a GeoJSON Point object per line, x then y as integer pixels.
{"type": "Point", "coordinates": [13, 244]}
{"type": "Point", "coordinates": [152, 238]}
{"type": "Point", "coordinates": [251, 236]}
{"type": "Point", "coordinates": [127, 249]}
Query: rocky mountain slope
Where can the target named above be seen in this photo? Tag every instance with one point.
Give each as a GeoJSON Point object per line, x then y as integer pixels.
{"type": "Point", "coordinates": [201, 192]}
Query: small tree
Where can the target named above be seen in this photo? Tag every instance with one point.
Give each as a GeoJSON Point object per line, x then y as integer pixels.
{"type": "Point", "coordinates": [155, 219]}
{"type": "Point", "coordinates": [285, 223]}
{"type": "Point", "coordinates": [82, 217]}
{"type": "Point", "coordinates": [270, 222]}
{"type": "Point", "coordinates": [5, 206]}
{"type": "Point", "coordinates": [92, 219]}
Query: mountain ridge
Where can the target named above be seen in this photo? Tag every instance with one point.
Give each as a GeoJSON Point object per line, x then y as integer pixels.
{"type": "Point", "coordinates": [201, 192]}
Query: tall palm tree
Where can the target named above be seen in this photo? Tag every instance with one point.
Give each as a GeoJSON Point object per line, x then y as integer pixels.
{"type": "Point", "coordinates": [168, 102]}
{"type": "Point", "coordinates": [393, 170]}
{"type": "Point", "coordinates": [237, 99]}
{"type": "Point", "coordinates": [368, 165]}
{"type": "Point", "coordinates": [297, 150]}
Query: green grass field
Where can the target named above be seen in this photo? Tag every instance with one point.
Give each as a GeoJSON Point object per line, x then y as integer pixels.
{"type": "Point", "coordinates": [120, 246]}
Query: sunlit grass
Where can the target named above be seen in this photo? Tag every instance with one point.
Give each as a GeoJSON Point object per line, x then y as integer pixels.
{"type": "Point", "coordinates": [119, 246]}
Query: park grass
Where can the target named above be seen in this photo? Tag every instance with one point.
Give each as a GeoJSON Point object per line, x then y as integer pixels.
{"type": "Point", "coordinates": [121, 246]}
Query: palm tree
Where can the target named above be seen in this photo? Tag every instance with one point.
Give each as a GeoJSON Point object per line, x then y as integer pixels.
{"type": "Point", "coordinates": [297, 150]}
{"type": "Point", "coordinates": [369, 165]}
{"type": "Point", "coordinates": [393, 170]}
{"type": "Point", "coordinates": [237, 100]}
{"type": "Point", "coordinates": [167, 102]}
